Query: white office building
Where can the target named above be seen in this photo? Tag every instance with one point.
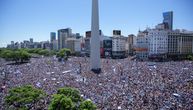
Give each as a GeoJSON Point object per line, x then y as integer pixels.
{"type": "Point", "coordinates": [77, 45]}
{"type": "Point", "coordinates": [118, 46]}
{"type": "Point", "coordinates": [158, 41]}
{"type": "Point", "coordinates": [142, 44]}
{"type": "Point", "coordinates": [73, 44]}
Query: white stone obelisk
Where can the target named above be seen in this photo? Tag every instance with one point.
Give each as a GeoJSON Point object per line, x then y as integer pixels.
{"type": "Point", "coordinates": [95, 63]}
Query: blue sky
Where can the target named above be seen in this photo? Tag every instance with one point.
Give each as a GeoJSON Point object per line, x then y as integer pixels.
{"type": "Point", "coordinates": [24, 19]}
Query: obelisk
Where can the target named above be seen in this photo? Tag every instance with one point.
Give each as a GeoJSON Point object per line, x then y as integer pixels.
{"type": "Point", "coordinates": [95, 63]}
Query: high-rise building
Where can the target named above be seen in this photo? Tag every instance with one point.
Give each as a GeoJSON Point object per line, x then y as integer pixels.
{"type": "Point", "coordinates": [130, 41]}
{"type": "Point", "coordinates": [161, 26]}
{"type": "Point", "coordinates": [141, 47]}
{"type": "Point", "coordinates": [68, 31]}
{"type": "Point", "coordinates": [173, 38]}
{"type": "Point", "coordinates": [62, 36]}
{"type": "Point", "coordinates": [31, 40]}
{"type": "Point", "coordinates": [74, 44]}
{"type": "Point", "coordinates": [52, 36]}
{"type": "Point", "coordinates": [107, 46]}
{"type": "Point", "coordinates": [180, 42]}
{"type": "Point", "coordinates": [118, 47]}
{"type": "Point", "coordinates": [12, 42]}
{"type": "Point", "coordinates": [55, 45]}
{"type": "Point", "coordinates": [37, 45]}
{"type": "Point", "coordinates": [52, 40]}
{"type": "Point", "coordinates": [26, 43]}
{"type": "Point", "coordinates": [78, 36]}
{"type": "Point", "coordinates": [87, 46]}
{"type": "Point", "coordinates": [45, 44]}
{"type": "Point", "coordinates": [158, 42]}
{"type": "Point", "coordinates": [168, 20]}
{"type": "Point", "coordinates": [88, 33]}
{"type": "Point", "coordinates": [87, 41]}
{"type": "Point", "coordinates": [185, 45]}
{"type": "Point", "coordinates": [116, 32]}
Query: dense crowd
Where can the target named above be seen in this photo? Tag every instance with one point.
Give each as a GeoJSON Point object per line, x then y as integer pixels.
{"type": "Point", "coordinates": [123, 83]}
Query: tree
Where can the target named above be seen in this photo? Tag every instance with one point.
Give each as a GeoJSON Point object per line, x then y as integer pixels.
{"type": "Point", "coordinates": [61, 102]}
{"type": "Point", "coordinates": [40, 51]}
{"type": "Point", "coordinates": [31, 50]}
{"type": "Point", "coordinates": [190, 57]}
{"type": "Point", "coordinates": [16, 55]}
{"type": "Point", "coordinates": [53, 52]}
{"type": "Point", "coordinates": [64, 53]}
{"type": "Point", "coordinates": [37, 50]}
{"type": "Point", "coordinates": [72, 93]}
{"type": "Point", "coordinates": [69, 99]}
{"type": "Point", "coordinates": [24, 56]}
{"type": "Point", "coordinates": [23, 98]}
{"type": "Point", "coordinates": [7, 55]}
{"type": "Point", "coordinates": [44, 52]}
{"type": "Point", "coordinates": [1, 51]}
{"type": "Point", "coordinates": [87, 105]}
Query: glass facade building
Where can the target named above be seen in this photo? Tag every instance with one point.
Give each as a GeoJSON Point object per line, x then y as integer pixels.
{"type": "Point", "coordinates": [52, 36]}
{"type": "Point", "coordinates": [168, 20]}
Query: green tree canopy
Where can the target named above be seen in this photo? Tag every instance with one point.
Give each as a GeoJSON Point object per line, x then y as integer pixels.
{"type": "Point", "coordinates": [36, 51]}
{"type": "Point", "coordinates": [72, 93]}
{"type": "Point", "coordinates": [24, 56]}
{"type": "Point", "coordinates": [23, 98]}
{"type": "Point", "coordinates": [190, 57]}
{"type": "Point", "coordinates": [7, 54]}
{"type": "Point", "coordinates": [41, 51]}
{"type": "Point", "coordinates": [53, 52]}
{"type": "Point", "coordinates": [87, 105]}
{"type": "Point", "coordinates": [69, 99]}
{"type": "Point", "coordinates": [16, 55]}
{"type": "Point", "coordinates": [64, 53]}
{"type": "Point", "coordinates": [44, 52]}
{"type": "Point", "coordinates": [61, 102]}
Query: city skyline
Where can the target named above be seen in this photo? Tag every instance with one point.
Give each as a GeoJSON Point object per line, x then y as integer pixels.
{"type": "Point", "coordinates": [36, 19]}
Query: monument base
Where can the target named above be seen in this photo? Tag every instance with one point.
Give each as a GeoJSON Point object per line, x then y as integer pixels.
{"type": "Point", "coordinates": [97, 71]}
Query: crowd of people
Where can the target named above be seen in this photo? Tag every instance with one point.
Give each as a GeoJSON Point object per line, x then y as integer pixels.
{"type": "Point", "coordinates": [123, 84]}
